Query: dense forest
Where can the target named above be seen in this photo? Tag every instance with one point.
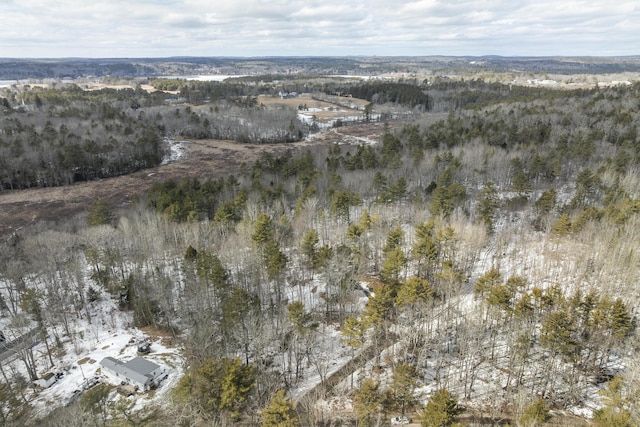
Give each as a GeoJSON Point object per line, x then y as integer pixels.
{"type": "Point", "coordinates": [478, 264]}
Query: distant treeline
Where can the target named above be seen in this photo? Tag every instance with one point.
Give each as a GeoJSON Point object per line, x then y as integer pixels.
{"type": "Point", "coordinates": [397, 93]}
{"type": "Point", "coordinates": [12, 68]}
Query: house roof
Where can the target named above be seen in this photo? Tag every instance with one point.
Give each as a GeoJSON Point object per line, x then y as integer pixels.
{"type": "Point", "coordinates": [142, 366]}
{"type": "Point", "coordinates": [137, 369]}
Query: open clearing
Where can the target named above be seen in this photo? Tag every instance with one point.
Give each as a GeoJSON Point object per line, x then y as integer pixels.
{"type": "Point", "coordinates": [201, 159]}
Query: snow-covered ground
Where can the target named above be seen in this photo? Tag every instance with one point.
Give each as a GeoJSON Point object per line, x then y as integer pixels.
{"type": "Point", "coordinates": [176, 151]}
{"type": "Point", "coordinates": [543, 260]}
{"type": "Point", "coordinates": [109, 334]}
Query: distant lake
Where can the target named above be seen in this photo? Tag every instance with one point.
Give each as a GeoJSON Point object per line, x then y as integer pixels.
{"type": "Point", "coordinates": [212, 78]}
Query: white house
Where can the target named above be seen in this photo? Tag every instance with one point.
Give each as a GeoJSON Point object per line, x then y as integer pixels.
{"type": "Point", "coordinates": [137, 371]}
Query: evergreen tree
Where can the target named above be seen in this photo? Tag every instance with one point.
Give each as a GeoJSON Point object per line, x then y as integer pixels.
{"type": "Point", "coordinates": [615, 412]}
{"type": "Point", "coordinates": [547, 201]}
{"type": "Point", "coordinates": [487, 205]}
{"type": "Point", "coordinates": [280, 412]}
{"type": "Point", "coordinates": [415, 291]}
{"type": "Point", "coordinates": [557, 334]}
{"type": "Point", "coordinates": [100, 213]}
{"type": "Point", "coordinates": [309, 247]}
{"type": "Point", "coordinates": [392, 266]}
{"type": "Point", "coordinates": [341, 203]}
{"type": "Point", "coordinates": [404, 379]}
{"type": "Point", "coordinates": [488, 280]}
{"type": "Point", "coordinates": [619, 319]}
{"type": "Point", "coordinates": [366, 402]}
{"type": "Point", "coordinates": [394, 239]}
{"type": "Point", "coordinates": [441, 410]}
{"type": "Point", "coordinates": [217, 387]}
{"type": "Point", "coordinates": [425, 249]}
{"type": "Point", "coordinates": [562, 226]}
{"type": "Point", "coordinates": [263, 230]}
{"type": "Point", "coordinates": [378, 306]}
{"type": "Point", "coordinates": [521, 185]}
{"type": "Point", "coordinates": [275, 260]}
{"type": "Point", "coordinates": [353, 332]}
{"type": "Point", "coordinates": [445, 199]}
{"type": "Point", "coordinates": [535, 414]}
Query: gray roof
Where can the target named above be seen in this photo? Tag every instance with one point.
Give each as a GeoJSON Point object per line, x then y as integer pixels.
{"type": "Point", "coordinates": [111, 363]}
{"type": "Point", "coordinates": [142, 366]}
{"type": "Point", "coordinates": [138, 369]}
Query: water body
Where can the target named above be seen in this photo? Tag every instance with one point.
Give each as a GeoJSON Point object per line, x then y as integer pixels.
{"type": "Point", "coordinates": [212, 78]}
{"type": "Point", "coordinates": [7, 83]}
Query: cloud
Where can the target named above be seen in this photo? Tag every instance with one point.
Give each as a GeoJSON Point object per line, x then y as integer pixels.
{"type": "Point", "coordinates": [38, 28]}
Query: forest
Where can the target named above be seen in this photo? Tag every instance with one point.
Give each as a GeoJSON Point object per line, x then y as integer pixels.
{"type": "Point", "coordinates": [476, 265]}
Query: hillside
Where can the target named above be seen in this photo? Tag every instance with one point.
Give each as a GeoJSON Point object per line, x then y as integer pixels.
{"type": "Point", "coordinates": [460, 241]}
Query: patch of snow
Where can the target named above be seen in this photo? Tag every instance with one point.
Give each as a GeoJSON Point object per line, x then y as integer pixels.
{"type": "Point", "coordinates": [175, 152]}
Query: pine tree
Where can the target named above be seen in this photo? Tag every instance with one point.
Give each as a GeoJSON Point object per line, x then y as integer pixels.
{"type": "Point", "coordinates": [275, 260]}
{"type": "Point", "coordinates": [557, 332]}
{"type": "Point", "coordinates": [280, 412]}
{"type": "Point", "coordinates": [446, 196]}
{"type": "Point", "coordinates": [500, 296]}
{"type": "Point", "coordinates": [614, 413]}
{"type": "Point", "coordinates": [366, 402]}
{"type": "Point", "coordinates": [392, 265]}
{"type": "Point", "coordinates": [487, 205]}
{"type": "Point", "coordinates": [378, 306]}
{"type": "Point", "coordinates": [562, 226]}
{"type": "Point", "coordinates": [342, 201]}
{"type": "Point", "coordinates": [263, 230]}
{"type": "Point", "coordinates": [425, 249]}
{"type": "Point", "coordinates": [404, 379]}
{"type": "Point", "coordinates": [535, 415]}
{"type": "Point", "coordinates": [353, 333]}
{"type": "Point", "coordinates": [366, 221]}
{"type": "Point", "coordinates": [441, 410]}
{"type": "Point", "coordinates": [488, 280]}
{"type": "Point", "coordinates": [547, 201]}
{"type": "Point", "coordinates": [394, 239]}
{"type": "Point", "coordinates": [521, 185]}
{"type": "Point", "coordinates": [354, 231]}
{"type": "Point", "coordinates": [100, 213]}
{"type": "Point", "coordinates": [299, 318]}
{"type": "Point", "coordinates": [217, 386]}
{"type": "Point", "coordinates": [415, 291]}
{"type": "Point", "coordinates": [309, 247]}
{"type": "Point", "coordinates": [620, 319]}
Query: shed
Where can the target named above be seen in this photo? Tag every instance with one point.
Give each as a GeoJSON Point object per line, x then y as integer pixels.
{"type": "Point", "coordinates": [138, 371]}
{"type": "Point", "coordinates": [47, 380]}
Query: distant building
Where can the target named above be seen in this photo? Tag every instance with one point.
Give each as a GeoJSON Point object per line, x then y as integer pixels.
{"type": "Point", "coordinates": [288, 95]}
{"type": "Point", "coordinates": [139, 372]}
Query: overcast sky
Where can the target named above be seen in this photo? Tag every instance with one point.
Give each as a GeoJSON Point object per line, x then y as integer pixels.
{"type": "Point", "coordinates": [161, 28]}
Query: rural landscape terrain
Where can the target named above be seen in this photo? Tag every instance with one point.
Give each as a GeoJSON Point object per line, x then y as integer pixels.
{"type": "Point", "coordinates": [364, 241]}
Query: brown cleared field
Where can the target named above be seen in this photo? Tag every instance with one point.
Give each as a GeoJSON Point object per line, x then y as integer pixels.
{"type": "Point", "coordinates": [330, 107]}
{"type": "Point", "coordinates": [201, 159]}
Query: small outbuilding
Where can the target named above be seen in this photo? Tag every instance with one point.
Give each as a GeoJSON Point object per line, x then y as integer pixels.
{"type": "Point", "coordinates": [138, 372]}
{"type": "Point", "coordinates": [144, 348]}
{"type": "Point", "coordinates": [47, 380]}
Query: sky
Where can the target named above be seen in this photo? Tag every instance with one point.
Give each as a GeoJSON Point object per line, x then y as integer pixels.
{"type": "Point", "coordinates": [250, 28]}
